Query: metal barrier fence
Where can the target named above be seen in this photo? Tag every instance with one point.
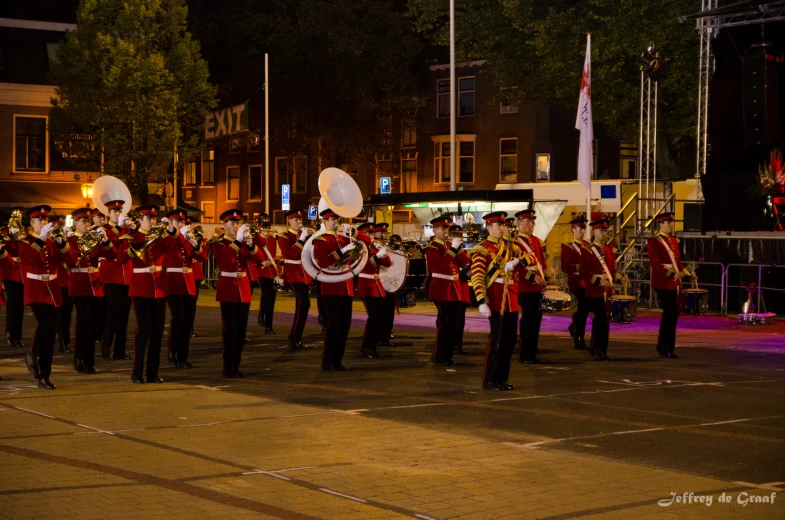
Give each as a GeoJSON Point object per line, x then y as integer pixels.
{"type": "Point", "coordinates": [759, 272]}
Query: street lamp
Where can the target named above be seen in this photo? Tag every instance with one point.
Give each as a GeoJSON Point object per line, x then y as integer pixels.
{"type": "Point", "coordinates": [87, 193]}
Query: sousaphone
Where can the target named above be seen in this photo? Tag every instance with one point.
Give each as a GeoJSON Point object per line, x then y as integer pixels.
{"type": "Point", "coordinates": [106, 189]}
{"type": "Point", "coordinates": [341, 194]}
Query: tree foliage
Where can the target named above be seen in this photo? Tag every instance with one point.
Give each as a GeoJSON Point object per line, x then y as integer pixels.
{"type": "Point", "coordinates": [130, 77]}
{"type": "Point", "coordinates": [335, 67]}
{"type": "Point", "coordinates": [540, 46]}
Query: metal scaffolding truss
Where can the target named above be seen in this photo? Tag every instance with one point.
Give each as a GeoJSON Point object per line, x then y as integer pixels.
{"type": "Point", "coordinates": [708, 22]}
{"type": "Point", "coordinates": [647, 165]}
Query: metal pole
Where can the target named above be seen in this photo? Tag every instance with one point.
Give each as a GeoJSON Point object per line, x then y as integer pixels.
{"type": "Point", "coordinates": [654, 157]}
{"type": "Point", "coordinates": [640, 166]}
{"type": "Point", "coordinates": [174, 170]}
{"type": "Point", "coordinates": [452, 96]}
{"type": "Point", "coordinates": [266, 136]}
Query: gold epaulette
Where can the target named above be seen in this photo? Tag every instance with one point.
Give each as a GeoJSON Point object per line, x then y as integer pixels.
{"type": "Point", "coordinates": [320, 237]}
{"type": "Point", "coordinates": [125, 237]}
{"type": "Point", "coordinates": [479, 249]}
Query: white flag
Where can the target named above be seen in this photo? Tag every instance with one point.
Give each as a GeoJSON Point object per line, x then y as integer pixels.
{"type": "Point", "coordinates": [584, 123]}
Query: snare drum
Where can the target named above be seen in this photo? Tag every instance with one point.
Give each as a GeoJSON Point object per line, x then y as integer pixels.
{"type": "Point", "coordinates": [622, 308]}
{"type": "Point", "coordinates": [693, 301]}
{"type": "Point", "coordinates": [554, 299]}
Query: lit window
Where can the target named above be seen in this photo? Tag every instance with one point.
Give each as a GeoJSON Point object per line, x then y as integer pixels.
{"type": "Point", "coordinates": [466, 96]}
{"type": "Point", "coordinates": [209, 212]}
{"type": "Point", "coordinates": [543, 166]}
{"type": "Point", "coordinates": [189, 176]}
{"type": "Point", "coordinates": [441, 162]}
{"type": "Point", "coordinates": [233, 183]}
{"type": "Point", "coordinates": [508, 160]}
{"type": "Point", "coordinates": [208, 167]}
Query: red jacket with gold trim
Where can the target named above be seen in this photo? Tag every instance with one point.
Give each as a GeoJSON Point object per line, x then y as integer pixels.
{"type": "Point", "coordinates": [327, 251]}
{"type": "Point", "coordinates": [663, 270]}
{"type": "Point", "coordinates": [571, 262]}
{"type": "Point", "coordinates": [525, 274]}
{"type": "Point", "coordinates": [291, 252]}
{"type": "Point", "coordinates": [488, 276]}
{"type": "Point", "coordinates": [116, 271]}
{"type": "Point", "coordinates": [147, 280]}
{"type": "Point", "coordinates": [267, 246]}
{"type": "Point", "coordinates": [368, 283]}
{"type": "Point", "coordinates": [41, 259]}
{"type": "Point", "coordinates": [592, 271]}
{"type": "Point", "coordinates": [444, 264]}
{"type": "Point", "coordinates": [11, 270]}
{"type": "Point", "coordinates": [233, 259]}
{"type": "Point", "coordinates": [179, 261]}
{"type": "Point", "coordinates": [85, 279]}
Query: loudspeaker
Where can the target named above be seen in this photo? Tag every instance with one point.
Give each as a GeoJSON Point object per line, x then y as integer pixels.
{"type": "Point", "coordinates": [761, 111]}
{"type": "Point", "coordinates": [693, 217]}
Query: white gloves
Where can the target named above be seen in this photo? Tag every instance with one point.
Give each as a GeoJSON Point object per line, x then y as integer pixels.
{"type": "Point", "coordinates": [13, 230]}
{"type": "Point", "coordinates": [194, 243]}
{"type": "Point", "coordinates": [382, 252]}
{"type": "Point", "coordinates": [122, 220]}
{"type": "Point", "coordinates": [164, 220]}
{"type": "Point", "coordinates": [347, 230]}
{"type": "Point", "coordinates": [509, 266]}
{"type": "Point", "coordinates": [347, 248]}
{"type": "Point", "coordinates": [100, 232]}
{"type": "Point", "coordinates": [303, 235]}
{"type": "Point", "coordinates": [485, 310]}
{"type": "Point", "coordinates": [68, 233]}
{"type": "Point", "coordinates": [184, 230]}
{"type": "Point", "coordinates": [241, 232]}
{"type": "Point", "coordinates": [456, 243]}
{"type": "Point", "coordinates": [45, 230]}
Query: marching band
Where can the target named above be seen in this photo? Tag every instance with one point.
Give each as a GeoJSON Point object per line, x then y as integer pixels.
{"type": "Point", "coordinates": [106, 264]}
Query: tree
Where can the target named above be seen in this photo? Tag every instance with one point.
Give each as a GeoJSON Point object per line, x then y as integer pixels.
{"type": "Point", "coordinates": [335, 67]}
{"type": "Point", "coordinates": [131, 79]}
{"type": "Point", "coordinates": [540, 46]}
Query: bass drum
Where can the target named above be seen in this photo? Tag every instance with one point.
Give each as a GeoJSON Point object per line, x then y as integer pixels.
{"type": "Point", "coordinates": [554, 299]}
{"type": "Point", "coordinates": [394, 277]}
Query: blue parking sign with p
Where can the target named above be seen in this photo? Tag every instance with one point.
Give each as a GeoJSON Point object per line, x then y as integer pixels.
{"type": "Point", "coordinates": [285, 190]}
{"type": "Point", "coordinates": [312, 212]}
{"type": "Point", "coordinates": [385, 185]}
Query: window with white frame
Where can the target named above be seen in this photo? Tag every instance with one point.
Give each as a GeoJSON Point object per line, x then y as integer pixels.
{"type": "Point", "coordinates": [506, 106]}
{"type": "Point", "coordinates": [232, 183]}
{"type": "Point", "coordinates": [255, 182]}
{"type": "Point", "coordinates": [30, 144]}
{"type": "Point", "coordinates": [466, 162]}
{"type": "Point", "coordinates": [208, 167]}
{"type": "Point", "coordinates": [543, 167]}
{"type": "Point", "coordinates": [443, 95]}
{"type": "Point", "coordinates": [466, 96]}
{"type": "Point", "coordinates": [189, 173]}
{"type": "Point", "coordinates": [508, 159]}
{"type": "Point", "coordinates": [441, 162]}
{"type": "Point", "coordinates": [209, 212]}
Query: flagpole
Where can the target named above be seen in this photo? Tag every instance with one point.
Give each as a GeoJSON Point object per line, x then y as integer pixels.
{"type": "Point", "coordinates": [453, 157]}
{"type": "Point", "coordinates": [587, 236]}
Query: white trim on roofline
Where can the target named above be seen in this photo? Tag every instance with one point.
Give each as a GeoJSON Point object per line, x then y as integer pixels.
{"type": "Point", "coordinates": [37, 25]}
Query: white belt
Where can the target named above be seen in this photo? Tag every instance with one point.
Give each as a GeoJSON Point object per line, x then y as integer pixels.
{"type": "Point", "coordinates": [42, 277]}
{"type": "Point", "coordinates": [532, 268]}
{"type": "Point", "coordinates": [15, 258]}
{"type": "Point", "coordinates": [151, 269]}
{"type": "Point", "coordinates": [498, 279]}
{"type": "Point", "coordinates": [295, 262]}
{"type": "Point", "coordinates": [669, 266]}
{"type": "Point", "coordinates": [576, 273]}
{"type": "Point", "coordinates": [178, 270]}
{"type": "Point", "coordinates": [233, 274]}
{"type": "Point", "coordinates": [445, 276]}
{"type": "Point", "coordinates": [369, 276]}
{"type": "Point", "coordinates": [84, 270]}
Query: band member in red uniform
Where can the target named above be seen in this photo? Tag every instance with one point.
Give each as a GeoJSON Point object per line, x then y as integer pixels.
{"type": "Point", "coordinates": [5, 262]}
{"type": "Point", "coordinates": [41, 255]}
{"type": "Point", "coordinates": [181, 288]}
{"type": "Point", "coordinates": [531, 283]}
{"type": "Point", "coordinates": [570, 265]}
{"type": "Point", "coordinates": [147, 290]}
{"type": "Point", "coordinates": [116, 278]}
{"type": "Point", "coordinates": [328, 249]}
{"type": "Point", "coordinates": [233, 253]}
{"type": "Point", "coordinates": [493, 265]}
{"type": "Point", "coordinates": [86, 289]}
{"type": "Point", "coordinates": [291, 246]}
{"type": "Point", "coordinates": [66, 310]}
{"type": "Point", "coordinates": [371, 290]}
{"type": "Point", "coordinates": [380, 230]}
{"type": "Point", "coordinates": [444, 264]}
{"type": "Point", "coordinates": [464, 276]}
{"type": "Point", "coordinates": [198, 270]}
{"type": "Point", "coordinates": [667, 270]}
{"type": "Point", "coordinates": [99, 220]}
{"type": "Point", "coordinates": [266, 272]}
{"type": "Point", "coordinates": [13, 283]}
{"type": "Point", "coordinates": [598, 272]}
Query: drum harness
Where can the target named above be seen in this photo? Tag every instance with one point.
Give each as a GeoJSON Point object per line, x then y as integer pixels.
{"type": "Point", "coordinates": [529, 250]}
{"type": "Point", "coordinates": [604, 268]}
{"type": "Point", "coordinates": [671, 254]}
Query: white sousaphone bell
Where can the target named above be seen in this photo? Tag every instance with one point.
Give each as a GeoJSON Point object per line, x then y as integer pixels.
{"type": "Point", "coordinates": [341, 194]}
{"type": "Point", "coordinates": [106, 189]}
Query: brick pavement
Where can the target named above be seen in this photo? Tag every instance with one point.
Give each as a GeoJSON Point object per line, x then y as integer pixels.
{"type": "Point", "coordinates": [100, 447]}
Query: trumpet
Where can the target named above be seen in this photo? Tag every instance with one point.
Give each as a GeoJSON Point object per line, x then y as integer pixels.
{"type": "Point", "coordinates": [57, 233]}
{"type": "Point", "coordinates": [195, 234]}
{"type": "Point", "coordinates": [89, 241]}
{"type": "Point", "coordinates": [154, 234]}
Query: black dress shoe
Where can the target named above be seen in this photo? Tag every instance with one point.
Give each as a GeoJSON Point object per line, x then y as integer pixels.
{"type": "Point", "coordinates": [506, 386]}
{"type": "Point", "coordinates": [20, 344]}
{"type": "Point", "coordinates": [90, 370]}
{"type": "Point", "coordinates": [367, 353]}
{"type": "Point", "coordinates": [328, 367]}
{"type": "Point", "coordinates": [45, 384]}
{"type": "Point", "coordinates": [194, 335]}
{"type": "Point", "coordinates": [490, 385]}
{"type": "Point", "coordinates": [79, 366]}
{"type": "Point", "coordinates": [672, 355]}
{"type": "Point", "coordinates": [269, 330]}
{"type": "Point", "coordinates": [377, 355]}
{"type": "Point", "coordinates": [137, 380]}
{"type": "Point", "coordinates": [155, 380]}
{"type": "Point", "coordinates": [239, 373]}
{"type": "Point", "coordinates": [448, 363]}
{"type": "Point", "coordinates": [229, 374]}
{"type": "Point", "coordinates": [530, 360]}
{"type": "Point", "coordinates": [246, 340]}
{"type": "Point", "coordinates": [32, 365]}
{"type": "Point", "coordinates": [459, 350]}
{"type": "Point", "coordinates": [186, 364]}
